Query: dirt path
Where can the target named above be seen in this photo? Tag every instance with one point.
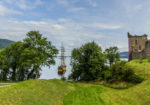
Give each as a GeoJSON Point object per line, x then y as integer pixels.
{"type": "Point", "coordinates": [6, 84]}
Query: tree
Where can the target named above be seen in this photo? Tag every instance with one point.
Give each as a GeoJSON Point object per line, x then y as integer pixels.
{"type": "Point", "coordinates": [4, 66]}
{"type": "Point", "coordinates": [23, 60]}
{"type": "Point", "coordinates": [13, 53]}
{"type": "Point", "coordinates": [112, 55]}
{"type": "Point", "coordinates": [40, 51]}
{"type": "Point", "coordinates": [87, 62]}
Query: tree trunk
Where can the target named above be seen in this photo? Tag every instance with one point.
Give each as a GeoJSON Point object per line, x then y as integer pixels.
{"type": "Point", "coordinates": [37, 72]}
{"type": "Point", "coordinates": [30, 75]}
{"type": "Point", "coordinates": [14, 74]}
{"type": "Point", "coordinates": [21, 74]}
{"type": "Point", "coordinates": [110, 63]}
{"type": "Point", "coordinates": [4, 75]}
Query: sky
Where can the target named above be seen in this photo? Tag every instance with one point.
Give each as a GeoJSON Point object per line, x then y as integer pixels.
{"type": "Point", "coordinates": [75, 22]}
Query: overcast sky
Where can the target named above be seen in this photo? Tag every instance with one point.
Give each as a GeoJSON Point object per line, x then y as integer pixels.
{"type": "Point", "coordinates": [75, 22]}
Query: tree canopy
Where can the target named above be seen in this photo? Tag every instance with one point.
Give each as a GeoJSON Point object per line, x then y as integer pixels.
{"type": "Point", "coordinates": [90, 63]}
{"type": "Point", "coordinates": [112, 55]}
{"type": "Point", "coordinates": [23, 60]}
{"type": "Point", "coordinates": [87, 62]}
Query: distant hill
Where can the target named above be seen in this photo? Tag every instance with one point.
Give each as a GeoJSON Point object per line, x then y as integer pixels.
{"type": "Point", "coordinates": [124, 54]}
{"type": "Point", "coordinates": [5, 42]}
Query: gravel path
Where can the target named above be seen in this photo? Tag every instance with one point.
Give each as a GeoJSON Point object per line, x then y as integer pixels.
{"type": "Point", "coordinates": [5, 84]}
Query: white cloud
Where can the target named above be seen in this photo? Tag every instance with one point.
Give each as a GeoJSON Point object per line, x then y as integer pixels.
{"type": "Point", "coordinates": [64, 20]}
{"type": "Point", "coordinates": [75, 9]}
{"type": "Point", "coordinates": [25, 4]}
{"type": "Point", "coordinates": [9, 1]}
{"type": "Point", "coordinates": [38, 2]}
{"type": "Point", "coordinates": [34, 23]}
{"type": "Point", "coordinates": [68, 32]}
{"type": "Point", "coordinates": [123, 47]}
{"type": "Point", "coordinates": [63, 2]}
{"type": "Point", "coordinates": [104, 26]}
{"type": "Point", "coordinates": [92, 3]}
{"type": "Point", "coordinates": [58, 27]}
{"type": "Point", "coordinates": [6, 11]}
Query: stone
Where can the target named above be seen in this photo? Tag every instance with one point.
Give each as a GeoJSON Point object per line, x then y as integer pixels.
{"type": "Point", "coordinates": [139, 46]}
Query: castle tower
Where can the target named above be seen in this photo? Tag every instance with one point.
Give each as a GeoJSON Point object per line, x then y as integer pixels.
{"type": "Point", "coordinates": [136, 44]}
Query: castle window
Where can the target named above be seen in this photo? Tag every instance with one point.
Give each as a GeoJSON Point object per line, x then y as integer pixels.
{"type": "Point", "coordinates": [140, 48]}
{"type": "Point", "coordinates": [135, 42]}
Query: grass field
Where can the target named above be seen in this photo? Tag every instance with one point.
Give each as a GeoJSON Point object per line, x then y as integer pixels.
{"type": "Point", "coordinates": [57, 92]}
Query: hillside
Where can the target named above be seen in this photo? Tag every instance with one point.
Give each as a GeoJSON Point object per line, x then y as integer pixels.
{"type": "Point", "coordinates": [124, 55]}
{"type": "Point", "coordinates": [4, 43]}
{"type": "Point", "coordinates": [57, 92]}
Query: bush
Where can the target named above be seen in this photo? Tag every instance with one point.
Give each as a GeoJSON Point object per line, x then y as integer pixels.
{"type": "Point", "coordinates": [130, 76]}
{"type": "Point", "coordinates": [119, 72]}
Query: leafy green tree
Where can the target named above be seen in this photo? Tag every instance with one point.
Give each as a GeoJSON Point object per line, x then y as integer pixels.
{"type": "Point", "coordinates": [13, 53]}
{"type": "Point", "coordinates": [40, 51]}
{"type": "Point", "coordinates": [87, 62]}
{"type": "Point", "coordinates": [112, 55]}
{"type": "Point", "coordinates": [23, 60]}
{"type": "Point", "coordinates": [4, 67]}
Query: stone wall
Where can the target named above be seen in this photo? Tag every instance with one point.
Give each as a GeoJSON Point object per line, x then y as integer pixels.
{"type": "Point", "coordinates": [147, 49]}
{"type": "Point", "coordinates": [139, 46]}
{"type": "Point", "coordinates": [137, 54]}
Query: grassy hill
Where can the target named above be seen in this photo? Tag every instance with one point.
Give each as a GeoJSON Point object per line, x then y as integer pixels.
{"type": "Point", "coordinates": [57, 92]}
{"type": "Point", "coordinates": [4, 43]}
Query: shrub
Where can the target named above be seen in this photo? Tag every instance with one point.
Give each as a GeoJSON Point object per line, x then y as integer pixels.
{"type": "Point", "coordinates": [119, 72]}
{"type": "Point", "coordinates": [130, 76]}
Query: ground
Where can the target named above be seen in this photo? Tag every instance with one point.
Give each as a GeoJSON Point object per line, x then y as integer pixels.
{"type": "Point", "coordinates": [57, 92]}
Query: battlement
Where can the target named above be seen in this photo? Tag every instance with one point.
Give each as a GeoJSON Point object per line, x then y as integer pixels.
{"type": "Point", "coordinates": [136, 36]}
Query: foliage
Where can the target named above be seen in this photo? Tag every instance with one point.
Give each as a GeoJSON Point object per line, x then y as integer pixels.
{"type": "Point", "coordinates": [12, 54]}
{"type": "Point", "coordinates": [4, 66]}
{"type": "Point", "coordinates": [23, 60]}
{"type": "Point", "coordinates": [40, 51]}
{"type": "Point", "coordinates": [119, 72]}
{"type": "Point", "coordinates": [87, 62]}
{"type": "Point", "coordinates": [112, 55]}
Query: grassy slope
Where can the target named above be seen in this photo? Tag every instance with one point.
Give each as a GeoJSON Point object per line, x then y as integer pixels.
{"type": "Point", "coordinates": [88, 94]}
{"type": "Point", "coordinates": [35, 92]}
{"type": "Point", "coordinates": [141, 67]}
{"type": "Point", "coordinates": [56, 92]}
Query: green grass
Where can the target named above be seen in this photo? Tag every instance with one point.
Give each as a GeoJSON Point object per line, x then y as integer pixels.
{"type": "Point", "coordinates": [35, 92]}
{"type": "Point", "coordinates": [141, 67]}
{"type": "Point", "coordinates": [1, 50]}
{"type": "Point", "coordinates": [57, 92]}
{"type": "Point", "coordinates": [89, 94]}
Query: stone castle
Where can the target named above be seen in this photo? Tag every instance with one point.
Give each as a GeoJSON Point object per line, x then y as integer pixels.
{"type": "Point", "coordinates": [139, 46]}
